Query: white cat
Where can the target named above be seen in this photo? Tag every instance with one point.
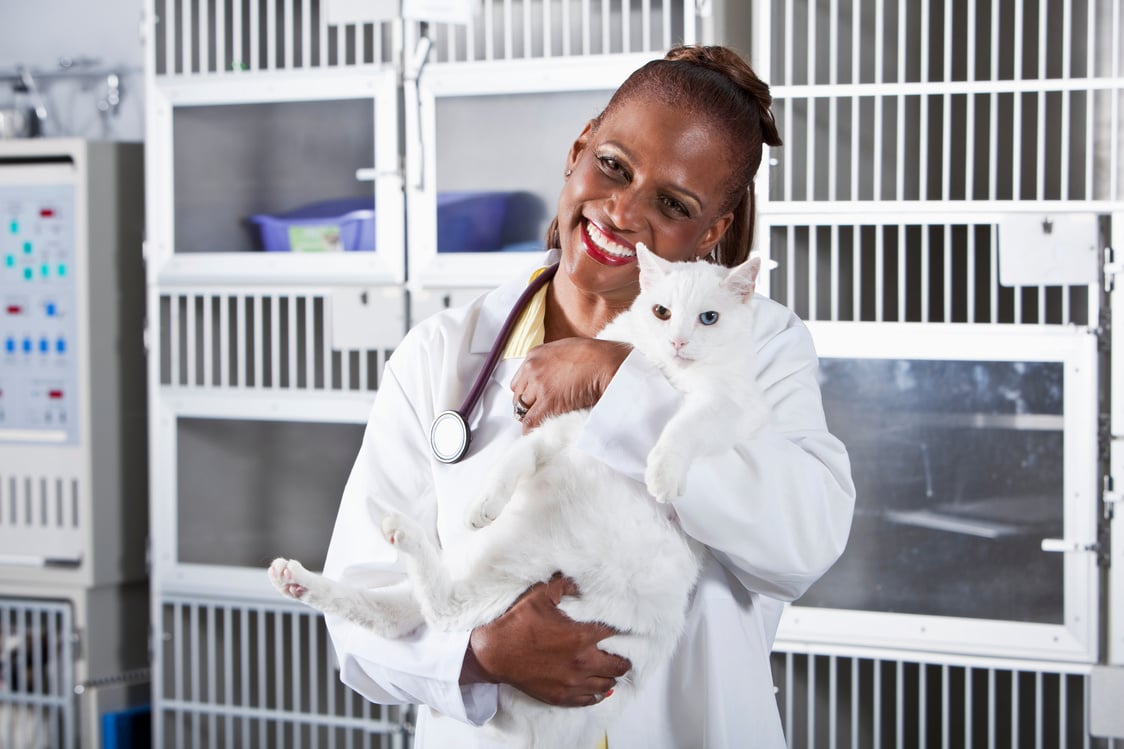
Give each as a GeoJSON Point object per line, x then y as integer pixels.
{"type": "Point", "coordinates": [549, 506]}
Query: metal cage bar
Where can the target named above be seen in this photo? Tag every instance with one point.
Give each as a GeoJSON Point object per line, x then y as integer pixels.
{"type": "Point", "coordinates": [910, 272]}
{"type": "Point", "coordinates": [257, 675]}
{"type": "Point", "coordinates": [847, 702]}
{"type": "Point", "coordinates": [270, 340]}
{"type": "Point", "coordinates": [38, 706]}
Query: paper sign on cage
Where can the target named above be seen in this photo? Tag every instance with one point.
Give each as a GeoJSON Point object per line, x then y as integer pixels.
{"type": "Point", "coordinates": [1048, 250]}
{"type": "Point", "coordinates": [343, 12]}
{"type": "Point", "coordinates": [439, 11]}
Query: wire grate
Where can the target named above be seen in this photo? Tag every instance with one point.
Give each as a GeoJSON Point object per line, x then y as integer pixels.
{"type": "Point", "coordinates": [253, 675]}
{"type": "Point", "coordinates": [849, 702]}
{"type": "Point", "coordinates": [37, 703]}
{"type": "Point", "coordinates": [925, 273]}
{"type": "Point", "coordinates": [260, 341]}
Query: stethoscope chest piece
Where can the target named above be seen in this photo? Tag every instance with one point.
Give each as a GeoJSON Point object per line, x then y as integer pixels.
{"type": "Point", "coordinates": [449, 437]}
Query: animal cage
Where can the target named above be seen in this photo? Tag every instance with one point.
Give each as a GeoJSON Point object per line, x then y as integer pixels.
{"type": "Point", "coordinates": [38, 707]}
{"type": "Point", "coordinates": [241, 674]}
{"type": "Point", "coordinates": [918, 136]}
{"type": "Point", "coordinates": [914, 132]}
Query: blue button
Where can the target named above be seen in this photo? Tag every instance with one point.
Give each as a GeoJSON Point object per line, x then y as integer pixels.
{"type": "Point", "coordinates": [44, 345]}
{"type": "Point", "coordinates": [52, 310]}
{"type": "Point", "coordinates": [62, 269]}
{"type": "Point", "coordinates": [27, 345]}
{"type": "Point", "coordinates": [28, 273]}
{"type": "Point", "coordinates": [10, 345]}
{"type": "Point", "coordinates": [60, 346]}
{"type": "Point", "coordinates": [27, 248]}
{"type": "Point", "coordinates": [10, 261]}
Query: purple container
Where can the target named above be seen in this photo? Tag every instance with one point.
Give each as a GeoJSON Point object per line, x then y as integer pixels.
{"type": "Point", "coordinates": [471, 221]}
{"type": "Point", "coordinates": [350, 222]}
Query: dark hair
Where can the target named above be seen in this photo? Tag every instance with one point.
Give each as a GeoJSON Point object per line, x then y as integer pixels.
{"type": "Point", "coordinates": [714, 83]}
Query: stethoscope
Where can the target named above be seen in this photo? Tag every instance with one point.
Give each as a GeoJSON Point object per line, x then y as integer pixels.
{"type": "Point", "coordinates": [450, 436]}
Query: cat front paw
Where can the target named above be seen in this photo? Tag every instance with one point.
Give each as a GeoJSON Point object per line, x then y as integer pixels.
{"type": "Point", "coordinates": [666, 475]}
{"type": "Point", "coordinates": [290, 578]}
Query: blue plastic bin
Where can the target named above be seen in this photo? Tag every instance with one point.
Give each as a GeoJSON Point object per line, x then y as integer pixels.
{"type": "Point", "coordinates": [346, 224]}
{"type": "Point", "coordinates": [471, 221]}
{"type": "Point", "coordinates": [127, 729]}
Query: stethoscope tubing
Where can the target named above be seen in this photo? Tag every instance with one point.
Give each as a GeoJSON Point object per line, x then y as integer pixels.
{"type": "Point", "coordinates": [450, 436]}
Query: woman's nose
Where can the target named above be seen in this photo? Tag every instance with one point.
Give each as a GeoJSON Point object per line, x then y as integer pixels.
{"type": "Point", "coordinates": [624, 209]}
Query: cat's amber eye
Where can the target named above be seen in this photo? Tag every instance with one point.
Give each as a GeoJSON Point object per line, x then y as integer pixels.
{"type": "Point", "coordinates": [709, 317]}
{"type": "Point", "coordinates": [661, 312]}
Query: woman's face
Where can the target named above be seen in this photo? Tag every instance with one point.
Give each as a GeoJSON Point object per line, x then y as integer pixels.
{"type": "Point", "coordinates": [648, 173]}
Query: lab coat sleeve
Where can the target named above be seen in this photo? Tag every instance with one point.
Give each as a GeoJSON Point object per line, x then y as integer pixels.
{"type": "Point", "coordinates": [775, 510]}
{"type": "Point", "coordinates": [392, 473]}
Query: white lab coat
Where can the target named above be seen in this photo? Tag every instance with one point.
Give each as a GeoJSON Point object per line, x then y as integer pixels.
{"type": "Point", "coordinates": [775, 513]}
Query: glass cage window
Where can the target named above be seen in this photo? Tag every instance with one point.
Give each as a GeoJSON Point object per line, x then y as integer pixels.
{"type": "Point", "coordinates": [250, 491]}
{"type": "Point", "coordinates": [285, 161]}
{"type": "Point", "coordinates": [959, 472]}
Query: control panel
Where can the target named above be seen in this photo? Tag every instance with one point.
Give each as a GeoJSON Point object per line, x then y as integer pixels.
{"type": "Point", "coordinates": [38, 314]}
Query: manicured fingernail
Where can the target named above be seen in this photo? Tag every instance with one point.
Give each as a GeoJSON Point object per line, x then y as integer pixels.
{"type": "Point", "coordinates": [609, 693]}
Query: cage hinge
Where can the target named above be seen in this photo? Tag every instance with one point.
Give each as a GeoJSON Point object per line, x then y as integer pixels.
{"type": "Point", "coordinates": [1112, 268]}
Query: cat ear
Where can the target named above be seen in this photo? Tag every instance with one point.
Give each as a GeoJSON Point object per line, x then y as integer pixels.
{"type": "Point", "coordinates": [652, 266]}
{"type": "Point", "coordinates": [742, 279]}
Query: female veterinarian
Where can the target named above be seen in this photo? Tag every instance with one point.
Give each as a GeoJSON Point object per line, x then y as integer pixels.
{"type": "Point", "coordinates": [669, 163]}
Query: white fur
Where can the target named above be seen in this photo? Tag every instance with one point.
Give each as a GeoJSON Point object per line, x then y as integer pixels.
{"type": "Point", "coordinates": [551, 507]}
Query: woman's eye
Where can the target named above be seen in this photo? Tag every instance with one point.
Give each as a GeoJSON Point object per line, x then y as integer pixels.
{"type": "Point", "coordinates": [675, 206]}
{"type": "Point", "coordinates": [708, 318]}
{"type": "Point", "coordinates": [609, 164]}
{"type": "Point", "coordinates": [661, 312]}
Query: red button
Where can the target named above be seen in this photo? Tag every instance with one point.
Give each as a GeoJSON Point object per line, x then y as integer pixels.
{"type": "Point", "coordinates": [14, 309]}
{"type": "Point", "coordinates": [55, 395]}
{"type": "Point", "coordinates": [46, 212]}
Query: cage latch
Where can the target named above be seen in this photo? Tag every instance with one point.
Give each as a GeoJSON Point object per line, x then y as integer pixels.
{"type": "Point", "coordinates": [1110, 497]}
{"type": "Point", "coordinates": [1065, 546]}
{"type": "Point", "coordinates": [1112, 268]}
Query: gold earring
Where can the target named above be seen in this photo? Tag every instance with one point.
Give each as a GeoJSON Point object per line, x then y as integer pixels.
{"type": "Point", "coordinates": [569, 172]}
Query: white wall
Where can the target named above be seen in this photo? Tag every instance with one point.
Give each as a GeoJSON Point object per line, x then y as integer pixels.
{"type": "Point", "coordinates": [37, 34]}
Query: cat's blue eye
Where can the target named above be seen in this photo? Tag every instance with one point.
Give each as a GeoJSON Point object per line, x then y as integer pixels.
{"type": "Point", "coordinates": [709, 317]}
{"type": "Point", "coordinates": [661, 312]}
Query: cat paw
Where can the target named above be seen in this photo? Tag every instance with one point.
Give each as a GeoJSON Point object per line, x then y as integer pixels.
{"type": "Point", "coordinates": [290, 578]}
{"type": "Point", "coordinates": [401, 533]}
{"type": "Point", "coordinates": [665, 476]}
{"type": "Point", "coordinates": [480, 513]}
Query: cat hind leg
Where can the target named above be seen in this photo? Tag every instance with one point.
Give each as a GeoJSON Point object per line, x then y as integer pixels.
{"type": "Point", "coordinates": [291, 579]}
{"type": "Point", "coordinates": [387, 612]}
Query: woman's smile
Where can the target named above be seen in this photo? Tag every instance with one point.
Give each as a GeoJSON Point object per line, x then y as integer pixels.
{"type": "Point", "coordinates": [604, 247]}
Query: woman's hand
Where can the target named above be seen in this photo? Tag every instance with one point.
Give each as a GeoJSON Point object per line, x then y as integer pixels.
{"type": "Point", "coordinates": [540, 651]}
{"type": "Point", "coordinates": [565, 375]}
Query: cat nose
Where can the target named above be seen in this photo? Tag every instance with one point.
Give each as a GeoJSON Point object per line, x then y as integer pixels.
{"type": "Point", "coordinates": [678, 343]}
